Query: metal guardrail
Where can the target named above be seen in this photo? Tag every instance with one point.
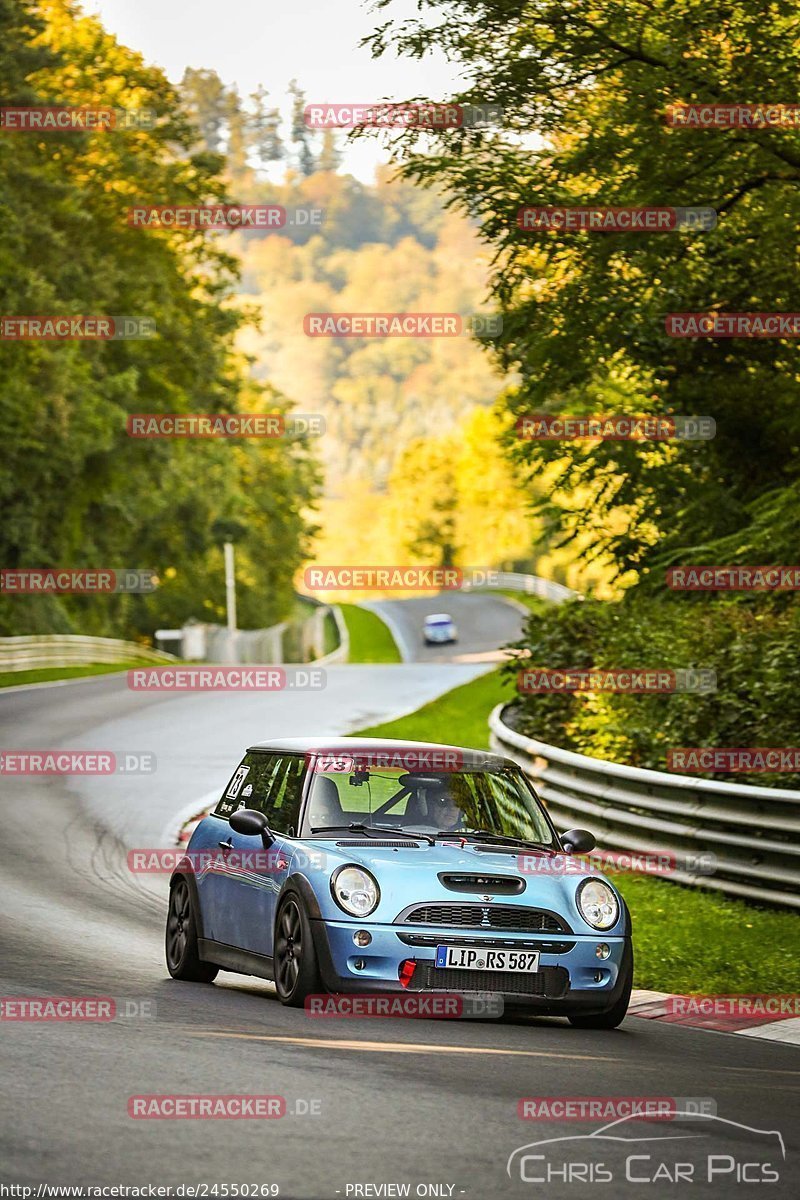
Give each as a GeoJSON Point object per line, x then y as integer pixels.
{"type": "Point", "coordinates": [286, 642]}
{"type": "Point", "coordinates": [533, 585]}
{"type": "Point", "coordinates": [70, 649]}
{"type": "Point", "coordinates": [753, 833]}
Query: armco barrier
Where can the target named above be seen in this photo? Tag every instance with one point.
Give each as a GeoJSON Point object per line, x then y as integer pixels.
{"type": "Point", "coordinates": [287, 642]}
{"type": "Point", "coordinates": [70, 649]}
{"type": "Point", "coordinates": [533, 585]}
{"type": "Point", "coordinates": [753, 832]}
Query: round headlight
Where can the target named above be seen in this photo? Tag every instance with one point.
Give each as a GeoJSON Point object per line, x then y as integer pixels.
{"type": "Point", "coordinates": [597, 904]}
{"type": "Point", "coordinates": [355, 891]}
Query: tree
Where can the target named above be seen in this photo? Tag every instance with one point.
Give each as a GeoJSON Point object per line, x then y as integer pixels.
{"type": "Point", "coordinates": [76, 490]}
{"type": "Point", "coordinates": [263, 125]}
{"type": "Point", "coordinates": [584, 312]}
{"type": "Point", "coordinates": [237, 147]}
{"type": "Point", "coordinates": [205, 102]}
{"type": "Point", "coordinates": [330, 157]}
{"type": "Point", "coordinates": [301, 135]}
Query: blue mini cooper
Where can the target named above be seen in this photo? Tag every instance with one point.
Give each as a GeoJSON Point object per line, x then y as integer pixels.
{"type": "Point", "coordinates": [358, 865]}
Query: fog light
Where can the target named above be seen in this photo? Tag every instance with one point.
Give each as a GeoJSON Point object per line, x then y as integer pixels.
{"type": "Point", "coordinates": [362, 937]}
{"type": "Point", "coordinates": [598, 976]}
{"type": "Point", "coordinates": [359, 964]}
{"type": "Point", "coordinates": [603, 950]}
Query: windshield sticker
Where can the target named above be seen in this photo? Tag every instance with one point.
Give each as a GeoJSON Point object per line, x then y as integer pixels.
{"type": "Point", "coordinates": [236, 782]}
{"type": "Point", "coordinates": [329, 764]}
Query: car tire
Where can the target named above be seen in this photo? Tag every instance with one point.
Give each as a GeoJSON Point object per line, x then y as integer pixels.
{"type": "Point", "coordinates": [613, 1016]}
{"type": "Point", "coordinates": [180, 943]}
{"type": "Point", "coordinates": [294, 956]}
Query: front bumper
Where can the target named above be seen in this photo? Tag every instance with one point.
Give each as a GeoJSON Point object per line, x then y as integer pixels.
{"type": "Point", "coordinates": [571, 978]}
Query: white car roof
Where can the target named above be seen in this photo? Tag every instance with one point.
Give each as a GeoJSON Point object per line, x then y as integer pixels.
{"type": "Point", "coordinates": [438, 617]}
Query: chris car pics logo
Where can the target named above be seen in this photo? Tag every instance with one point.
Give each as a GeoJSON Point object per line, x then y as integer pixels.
{"type": "Point", "coordinates": [694, 1146]}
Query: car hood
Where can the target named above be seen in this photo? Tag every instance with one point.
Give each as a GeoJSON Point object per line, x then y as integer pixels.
{"type": "Point", "coordinates": [409, 875]}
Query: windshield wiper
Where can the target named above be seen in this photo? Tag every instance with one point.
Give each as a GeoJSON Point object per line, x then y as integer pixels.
{"type": "Point", "coordinates": [426, 837]}
{"type": "Point", "coordinates": [360, 827]}
{"type": "Point", "coordinates": [486, 835]}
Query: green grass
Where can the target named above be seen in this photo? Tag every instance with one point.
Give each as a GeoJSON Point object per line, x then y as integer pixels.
{"type": "Point", "coordinates": [686, 939]}
{"type": "Point", "coordinates": [371, 640]}
{"type": "Point", "coordinates": [458, 717]}
{"type": "Point", "coordinates": [49, 674]}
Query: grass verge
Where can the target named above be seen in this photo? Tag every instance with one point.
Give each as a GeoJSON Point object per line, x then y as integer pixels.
{"type": "Point", "coordinates": [371, 639]}
{"type": "Point", "coordinates": [686, 939]}
{"type": "Point", "coordinates": [458, 717]}
{"type": "Point", "coordinates": [51, 674]}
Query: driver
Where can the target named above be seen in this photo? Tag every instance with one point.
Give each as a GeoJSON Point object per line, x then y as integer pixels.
{"type": "Point", "coordinates": [445, 813]}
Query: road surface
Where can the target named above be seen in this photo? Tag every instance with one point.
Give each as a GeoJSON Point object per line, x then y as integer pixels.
{"type": "Point", "coordinates": [485, 623]}
{"type": "Point", "coordinates": [421, 1104]}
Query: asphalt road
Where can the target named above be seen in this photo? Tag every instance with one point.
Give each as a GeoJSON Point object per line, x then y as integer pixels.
{"type": "Point", "coordinates": [485, 622]}
{"type": "Point", "coordinates": [402, 1102]}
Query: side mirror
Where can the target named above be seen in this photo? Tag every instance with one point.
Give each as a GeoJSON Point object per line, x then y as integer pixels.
{"type": "Point", "coordinates": [578, 841]}
{"type": "Point", "coordinates": [251, 824]}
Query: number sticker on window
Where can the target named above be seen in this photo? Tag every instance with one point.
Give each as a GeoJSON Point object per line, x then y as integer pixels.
{"type": "Point", "coordinates": [236, 782]}
{"type": "Point", "coordinates": [330, 764]}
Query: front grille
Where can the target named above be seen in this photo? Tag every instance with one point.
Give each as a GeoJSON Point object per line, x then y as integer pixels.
{"type": "Point", "coordinates": [513, 918]}
{"type": "Point", "coordinates": [550, 982]}
{"type": "Point", "coordinates": [435, 939]}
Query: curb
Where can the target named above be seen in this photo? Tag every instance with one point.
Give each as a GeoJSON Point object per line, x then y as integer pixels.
{"type": "Point", "coordinates": [652, 1006]}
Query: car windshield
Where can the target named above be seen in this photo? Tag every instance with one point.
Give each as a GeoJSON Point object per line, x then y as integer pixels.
{"type": "Point", "coordinates": [496, 802]}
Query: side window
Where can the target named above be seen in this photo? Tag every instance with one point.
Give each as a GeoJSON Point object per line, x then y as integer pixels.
{"type": "Point", "coordinates": [232, 797]}
{"type": "Point", "coordinates": [269, 783]}
{"type": "Point", "coordinates": [282, 803]}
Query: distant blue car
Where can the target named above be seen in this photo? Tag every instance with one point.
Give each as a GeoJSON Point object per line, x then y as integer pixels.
{"type": "Point", "coordinates": [357, 865]}
{"type": "Point", "coordinates": [439, 629]}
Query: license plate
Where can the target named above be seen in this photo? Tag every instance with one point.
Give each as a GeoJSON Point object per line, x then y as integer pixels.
{"type": "Point", "coordinates": [478, 958]}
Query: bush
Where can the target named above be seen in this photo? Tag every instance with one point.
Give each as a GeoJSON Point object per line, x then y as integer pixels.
{"type": "Point", "coordinates": [750, 643]}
